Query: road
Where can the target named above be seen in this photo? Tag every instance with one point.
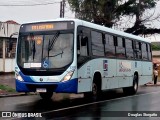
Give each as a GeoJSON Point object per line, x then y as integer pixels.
{"type": "Point", "coordinates": [114, 105]}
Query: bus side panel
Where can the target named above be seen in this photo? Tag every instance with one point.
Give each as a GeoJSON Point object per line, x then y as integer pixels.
{"type": "Point", "coordinates": [107, 69]}
{"type": "Point", "coordinates": [109, 80]}
{"type": "Point", "coordinates": [146, 73]}
{"type": "Point", "coordinates": [86, 74]}
{"type": "Point", "coordinates": [84, 85]}
{"type": "Point", "coordinates": [124, 73]}
{"type": "Point", "coordinates": [85, 78]}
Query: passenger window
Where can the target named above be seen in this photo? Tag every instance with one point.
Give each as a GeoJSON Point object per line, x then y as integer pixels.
{"type": "Point", "coordinates": [149, 52]}
{"type": "Point", "coordinates": [120, 48]}
{"type": "Point", "coordinates": [109, 46]}
{"type": "Point", "coordinates": [144, 51]}
{"type": "Point", "coordinates": [137, 50]}
{"type": "Point", "coordinates": [129, 49]}
{"type": "Point", "coordinates": [97, 43]}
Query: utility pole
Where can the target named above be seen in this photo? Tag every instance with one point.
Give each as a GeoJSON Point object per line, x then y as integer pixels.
{"type": "Point", "coordinates": [62, 5]}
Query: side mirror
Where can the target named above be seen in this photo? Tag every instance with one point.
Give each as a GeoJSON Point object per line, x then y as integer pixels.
{"type": "Point", "coordinates": [10, 44]}
{"type": "Point", "coordinates": [11, 41]}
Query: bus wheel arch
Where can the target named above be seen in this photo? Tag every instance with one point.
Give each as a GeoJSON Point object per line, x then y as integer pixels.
{"type": "Point", "coordinates": [134, 88]}
{"type": "Point", "coordinates": [96, 85]}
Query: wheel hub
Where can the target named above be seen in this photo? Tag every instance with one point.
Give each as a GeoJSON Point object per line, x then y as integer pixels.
{"type": "Point", "coordinates": [135, 86]}
{"type": "Point", "coordinates": [94, 89]}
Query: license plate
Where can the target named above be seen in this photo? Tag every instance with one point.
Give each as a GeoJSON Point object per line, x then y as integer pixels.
{"type": "Point", "coordinates": [41, 90]}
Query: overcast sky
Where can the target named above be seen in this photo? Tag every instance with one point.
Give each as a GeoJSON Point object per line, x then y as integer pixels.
{"type": "Point", "coordinates": [51, 10]}
{"type": "Point", "coordinates": [22, 14]}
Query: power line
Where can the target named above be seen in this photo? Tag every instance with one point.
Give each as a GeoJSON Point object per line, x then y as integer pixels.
{"type": "Point", "coordinates": [36, 4]}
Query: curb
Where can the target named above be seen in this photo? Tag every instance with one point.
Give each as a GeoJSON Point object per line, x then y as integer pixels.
{"type": "Point", "coordinates": [152, 84]}
{"type": "Point", "coordinates": [16, 94]}
{"type": "Point", "coordinates": [12, 95]}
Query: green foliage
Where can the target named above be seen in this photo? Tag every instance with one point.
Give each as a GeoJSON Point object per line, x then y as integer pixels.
{"type": "Point", "coordinates": [155, 47]}
{"type": "Point", "coordinates": [108, 12]}
{"type": "Point", "coordinates": [7, 88]}
{"type": "Point", "coordinates": [98, 11]}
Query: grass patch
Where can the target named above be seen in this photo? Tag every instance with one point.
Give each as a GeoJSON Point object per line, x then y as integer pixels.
{"type": "Point", "coordinates": [7, 88]}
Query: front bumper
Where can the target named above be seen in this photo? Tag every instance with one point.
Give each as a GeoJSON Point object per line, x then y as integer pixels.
{"type": "Point", "coordinates": [70, 86]}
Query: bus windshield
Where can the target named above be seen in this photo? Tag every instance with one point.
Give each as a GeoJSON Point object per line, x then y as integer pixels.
{"type": "Point", "coordinates": [45, 51]}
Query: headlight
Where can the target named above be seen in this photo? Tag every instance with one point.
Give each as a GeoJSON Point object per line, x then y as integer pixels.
{"type": "Point", "coordinates": [67, 76]}
{"type": "Point", "coordinates": [18, 77]}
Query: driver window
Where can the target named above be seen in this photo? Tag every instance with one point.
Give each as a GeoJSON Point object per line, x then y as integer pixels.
{"type": "Point", "coordinates": [82, 41]}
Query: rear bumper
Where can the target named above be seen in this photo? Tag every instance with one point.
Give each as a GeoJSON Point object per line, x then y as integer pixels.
{"type": "Point", "coordinates": [70, 86]}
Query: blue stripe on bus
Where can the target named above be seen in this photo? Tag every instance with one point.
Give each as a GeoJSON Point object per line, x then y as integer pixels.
{"type": "Point", "coordinates": [21, 87]}
{"type": "Point", "coordinates": [70, 86]}
{"type": "Point", "coordinates": [26, 78]}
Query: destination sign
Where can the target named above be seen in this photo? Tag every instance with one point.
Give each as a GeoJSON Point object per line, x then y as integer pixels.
{"type": "Point", "coordinates": [50, 26]}
{"type": "Point", "coordinates": [42, 27]}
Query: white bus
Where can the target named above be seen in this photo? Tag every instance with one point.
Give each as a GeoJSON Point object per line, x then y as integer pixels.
{"type": "Point", "coordinates": [75, 56]}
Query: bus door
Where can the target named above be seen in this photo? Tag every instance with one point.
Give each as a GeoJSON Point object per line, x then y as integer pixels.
{"type": "Point", "coordinates": [84, 67]}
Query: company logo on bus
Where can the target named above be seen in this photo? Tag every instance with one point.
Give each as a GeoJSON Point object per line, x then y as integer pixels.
{"type": "Point", "coordinates": [41, 79]}
{"type": "Point", "coordinates": [124, 67]}
{"type": "Point", "coordinates": [105, 65]}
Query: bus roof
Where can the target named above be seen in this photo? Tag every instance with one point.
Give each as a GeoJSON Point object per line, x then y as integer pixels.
{"type": "Point", "coordinates": [99, 27]}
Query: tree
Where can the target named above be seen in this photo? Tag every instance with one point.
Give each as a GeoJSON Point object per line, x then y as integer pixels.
{"type": "Point", "coordinates": [110, 12]}
{"type": "Point", "coordinates": [95, 11]}
{"type": "Point", "coordinates": [155, 47]}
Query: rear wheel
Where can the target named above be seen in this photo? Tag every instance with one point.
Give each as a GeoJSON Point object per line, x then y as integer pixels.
{"type": "Point", "coordinates": [47, 95]}
{"type": "Point", "coordinates": [133, 89]}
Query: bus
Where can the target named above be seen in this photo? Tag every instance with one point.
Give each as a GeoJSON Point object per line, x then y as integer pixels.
{"type": "Point", "coordinates": [75, 56]}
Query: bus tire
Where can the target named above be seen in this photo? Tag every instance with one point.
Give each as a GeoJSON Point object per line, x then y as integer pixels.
{"type": "Point", "coordinates": [96, 88]}
{"type": "Point", "coordinates": [47, 95]}
{"type": "Point", "coordinates": [133, 89]}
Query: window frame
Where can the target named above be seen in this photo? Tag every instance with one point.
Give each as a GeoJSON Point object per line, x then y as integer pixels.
{"type": "Point", "coordinates": [102, 41]}
{"type": "Point", "coordinates": [115, 44]}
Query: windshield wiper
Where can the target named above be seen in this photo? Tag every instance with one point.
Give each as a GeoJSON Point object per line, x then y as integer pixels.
{"type": "Point", "coordinates": [52, 42]}
{"type": "Point", "coordinates": [57, 54]}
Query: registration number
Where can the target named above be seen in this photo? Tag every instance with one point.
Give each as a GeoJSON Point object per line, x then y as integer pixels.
{"type": "Point", "coordinates": [41, 90]}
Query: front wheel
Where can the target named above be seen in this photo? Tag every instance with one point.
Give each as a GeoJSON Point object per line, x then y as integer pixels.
{"type": "Point", "coordinates": [47, 95]}
{"type": "Point", "coordinates": [96, 91]}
